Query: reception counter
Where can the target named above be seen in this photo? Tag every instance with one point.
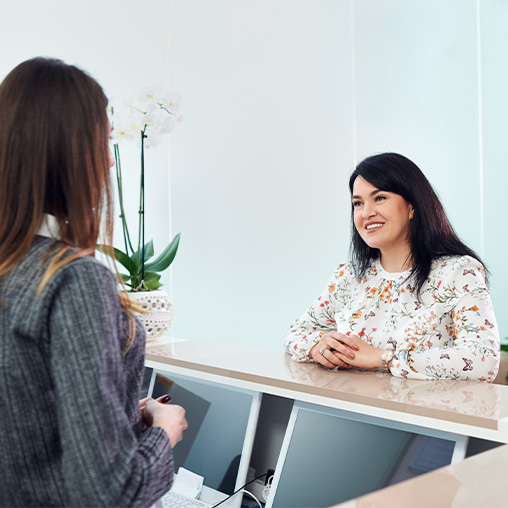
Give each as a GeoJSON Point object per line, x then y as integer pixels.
{"type": "Point", "coordinates": [463, 407]}
{"type": "Point", "coordinates": [453, 410]}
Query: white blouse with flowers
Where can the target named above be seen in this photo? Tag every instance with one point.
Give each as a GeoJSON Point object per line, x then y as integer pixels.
{"type": "Point", "coordinates": [451, 333]}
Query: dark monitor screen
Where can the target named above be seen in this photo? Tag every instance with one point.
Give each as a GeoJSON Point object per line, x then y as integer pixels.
{"type": "Point", "coordinates": [218, 418]}
{"type": "Point", "coordinates": [332, 459]}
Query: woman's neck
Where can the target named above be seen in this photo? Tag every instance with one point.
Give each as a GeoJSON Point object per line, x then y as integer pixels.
{"type": "Point", "coordinates": [396, 262]}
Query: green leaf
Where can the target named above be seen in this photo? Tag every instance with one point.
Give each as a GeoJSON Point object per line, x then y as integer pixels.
{"type": "Point", "coordinates": [166, 258]}
{"type": "Point", "coordinates": [153, 285]}
{"type": "Point", "coordinates": [148, 253]}
{"type": "Point", "coordinates": [125, 278]}
{"type": "Point", "coordinates": [120, 256]}
{"type": "Point", "coordinates": [152, 281]}
{"type": "Point", "coordinates": [151, 276]}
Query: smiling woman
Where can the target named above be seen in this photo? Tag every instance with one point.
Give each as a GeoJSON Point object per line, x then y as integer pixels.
{"type": "Point", "coordinates": [413, 300]}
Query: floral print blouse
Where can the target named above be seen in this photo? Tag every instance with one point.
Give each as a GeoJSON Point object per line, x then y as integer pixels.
{"type": "Point", "coordinates": [450, 334]}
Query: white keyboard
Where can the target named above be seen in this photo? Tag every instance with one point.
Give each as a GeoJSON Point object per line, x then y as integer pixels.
{"type": "Point", "coordinates": [173, 500]}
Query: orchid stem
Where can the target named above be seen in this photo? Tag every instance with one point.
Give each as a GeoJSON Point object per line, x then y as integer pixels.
{"type": "Point", "coordinates": [141, 232]}
{"type": "Point", "coordinates": [125, 229]}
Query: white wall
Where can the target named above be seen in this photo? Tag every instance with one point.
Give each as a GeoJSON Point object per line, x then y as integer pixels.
{"type": "Point", "coordinates": [280, 99]}
{"type": "Point", "coordinates": [256, 172]}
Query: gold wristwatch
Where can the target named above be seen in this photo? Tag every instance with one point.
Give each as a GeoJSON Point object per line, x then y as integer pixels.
{"type": "Point", "coordinates": [386, 358]}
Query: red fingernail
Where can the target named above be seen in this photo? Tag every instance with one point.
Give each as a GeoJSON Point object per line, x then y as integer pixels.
{"type": "Point", "coordinates": [165, 399]}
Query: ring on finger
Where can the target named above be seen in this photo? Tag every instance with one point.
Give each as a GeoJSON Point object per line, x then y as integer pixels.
{"type": "Point", "coordinates": [322, 351]}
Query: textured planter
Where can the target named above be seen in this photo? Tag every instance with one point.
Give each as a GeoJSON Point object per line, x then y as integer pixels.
{"type": "Point", "coordinates": [158, 313]}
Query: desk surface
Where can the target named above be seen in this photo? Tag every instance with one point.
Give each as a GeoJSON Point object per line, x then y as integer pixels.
{"type": "Point", "coordinates": [463, 407]}
{"type": "Point", "coordinates": [474, 482]}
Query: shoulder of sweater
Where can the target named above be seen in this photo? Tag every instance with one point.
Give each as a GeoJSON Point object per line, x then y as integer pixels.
{"type": "Point", "coordinates": [86, 269]}
{"type": "Point", "coordinates": [89, 264]}
{"type": "Point", "coordinates": [84, 280]}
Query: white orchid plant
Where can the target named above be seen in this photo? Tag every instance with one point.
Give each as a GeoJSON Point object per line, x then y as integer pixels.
{"type": "Point", "coordinates": [145, 119]}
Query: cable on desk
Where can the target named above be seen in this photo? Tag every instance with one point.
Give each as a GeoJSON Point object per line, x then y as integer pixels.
{"type": "Point", "coordinates": [266, 490]}
{"type": "Point", "coordinates": [242, 487]}
{"type": "Point", "coordinates": [253, 497]}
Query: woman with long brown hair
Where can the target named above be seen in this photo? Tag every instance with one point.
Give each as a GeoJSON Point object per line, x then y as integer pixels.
{"type": "Point", "coordinates": [71, 351]}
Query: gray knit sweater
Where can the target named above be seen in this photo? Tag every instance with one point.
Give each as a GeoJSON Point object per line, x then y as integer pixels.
{"type": "Point", "coordinates": [70, 433]}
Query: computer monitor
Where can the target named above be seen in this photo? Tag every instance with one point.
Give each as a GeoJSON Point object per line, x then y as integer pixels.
{"type": "Point", "coordinates": [330, 456]}
{"type": "Point", "coordinates": [222, 421]}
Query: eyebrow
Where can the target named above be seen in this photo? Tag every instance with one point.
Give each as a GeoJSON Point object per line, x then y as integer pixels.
{"type": "Point", "coordinates": [373, 193]}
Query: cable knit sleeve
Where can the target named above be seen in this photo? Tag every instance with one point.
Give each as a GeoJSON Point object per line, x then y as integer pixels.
{"type": "Point", "coordinates": [104, 460]}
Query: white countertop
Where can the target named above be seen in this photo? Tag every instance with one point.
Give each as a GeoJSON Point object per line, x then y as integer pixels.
{"type": "Point", "coordinates": [463, 407]}
{"type": "Point", "coordinates": [476, 482]}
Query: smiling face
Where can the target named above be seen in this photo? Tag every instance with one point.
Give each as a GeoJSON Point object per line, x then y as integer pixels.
{"type": "Point", "coordinates": [382, 220]}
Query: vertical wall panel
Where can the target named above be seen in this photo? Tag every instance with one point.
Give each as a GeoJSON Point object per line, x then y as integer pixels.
{"type": "Point", "coordinates": [494, 45]}
{"type": "Point", "coordinates": [257, 175]}
{"type": "Point", "coordinates": [417, 94]}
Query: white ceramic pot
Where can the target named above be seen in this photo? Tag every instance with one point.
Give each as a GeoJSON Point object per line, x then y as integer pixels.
{"type": "Point", "coordinates": [158, 313]}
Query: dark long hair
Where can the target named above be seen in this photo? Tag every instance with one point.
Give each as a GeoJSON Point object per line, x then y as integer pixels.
{"type": "Point", "coordinates": [430, 233]}
{"type": "Point", "coordinates": [54, 158]}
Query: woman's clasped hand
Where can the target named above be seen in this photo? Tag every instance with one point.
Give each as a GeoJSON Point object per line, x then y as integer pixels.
{"type": "Point", "coordinates": [338, 350]}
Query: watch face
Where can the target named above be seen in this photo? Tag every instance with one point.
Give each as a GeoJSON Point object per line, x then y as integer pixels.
{"type": "Point", "coordinates": [387, 354]}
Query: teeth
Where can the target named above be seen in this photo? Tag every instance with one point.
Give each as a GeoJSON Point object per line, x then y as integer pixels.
{"type": "Point", "coordinates": [376, 225]}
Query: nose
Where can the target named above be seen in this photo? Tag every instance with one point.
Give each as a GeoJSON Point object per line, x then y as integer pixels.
{"type": "Point", "coordinates": [368, 211]}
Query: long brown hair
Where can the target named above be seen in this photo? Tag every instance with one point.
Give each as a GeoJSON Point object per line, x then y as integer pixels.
{"type": "Point", "coordinates": [54, 158]}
